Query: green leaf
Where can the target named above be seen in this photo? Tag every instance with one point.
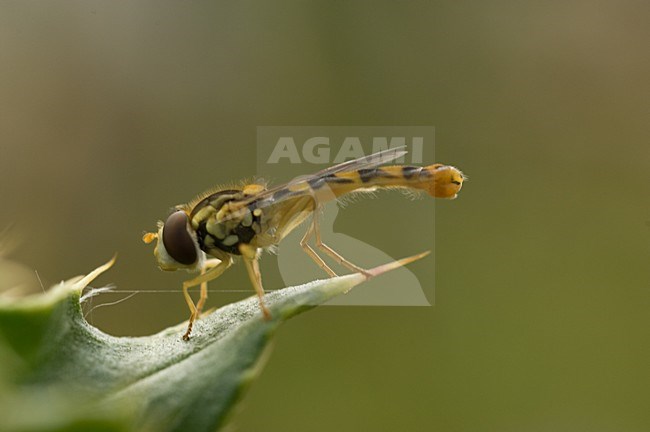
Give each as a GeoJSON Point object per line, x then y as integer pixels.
{"type": "Point", "coordinates": [63, 374]}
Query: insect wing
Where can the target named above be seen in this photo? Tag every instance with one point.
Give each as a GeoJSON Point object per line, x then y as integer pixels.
{"type": "Point", "coordinates": [365, 162]}
{"type": "Point", "coordinates": [300, 185]}
{"type": "Point", "coordinates": [290, 197]}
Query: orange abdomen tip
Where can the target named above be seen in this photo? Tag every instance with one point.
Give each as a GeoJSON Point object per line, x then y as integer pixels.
{"type": "Point", "coordinates": [446, 181]}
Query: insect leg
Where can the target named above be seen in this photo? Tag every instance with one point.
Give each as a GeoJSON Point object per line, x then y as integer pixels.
{"type": "Point", "coordinates": [331, 252]}
{"type": "Point", "coordinates": [213, 273]}
{"type": "Point", "coordinates": [308, 249]}
{"type": "Point", "coordinates": [249, 254]}
{"type": "Point", "coordinates": [207, 265]}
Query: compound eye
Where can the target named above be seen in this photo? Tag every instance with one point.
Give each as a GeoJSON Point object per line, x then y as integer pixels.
{"type": "Point", "coordinates": [177, 240]}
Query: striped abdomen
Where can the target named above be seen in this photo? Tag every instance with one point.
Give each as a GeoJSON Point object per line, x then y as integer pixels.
{"type": "Point", "coordinates": [440, 181]}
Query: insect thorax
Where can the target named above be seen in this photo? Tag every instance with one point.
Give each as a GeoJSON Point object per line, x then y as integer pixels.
{"type": "Point", "coordinates": [220, 223]}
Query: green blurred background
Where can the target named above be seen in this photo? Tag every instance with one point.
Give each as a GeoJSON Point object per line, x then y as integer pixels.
{"type": "Point", "coordinates": [112, 112]}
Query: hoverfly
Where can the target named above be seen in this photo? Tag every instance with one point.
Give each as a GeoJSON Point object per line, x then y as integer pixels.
{"type": "Point", "coordinates": [226, 223]}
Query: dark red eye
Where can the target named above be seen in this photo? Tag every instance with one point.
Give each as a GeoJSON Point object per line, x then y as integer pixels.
{"type": "Point", "coordinates": [177, 240]}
